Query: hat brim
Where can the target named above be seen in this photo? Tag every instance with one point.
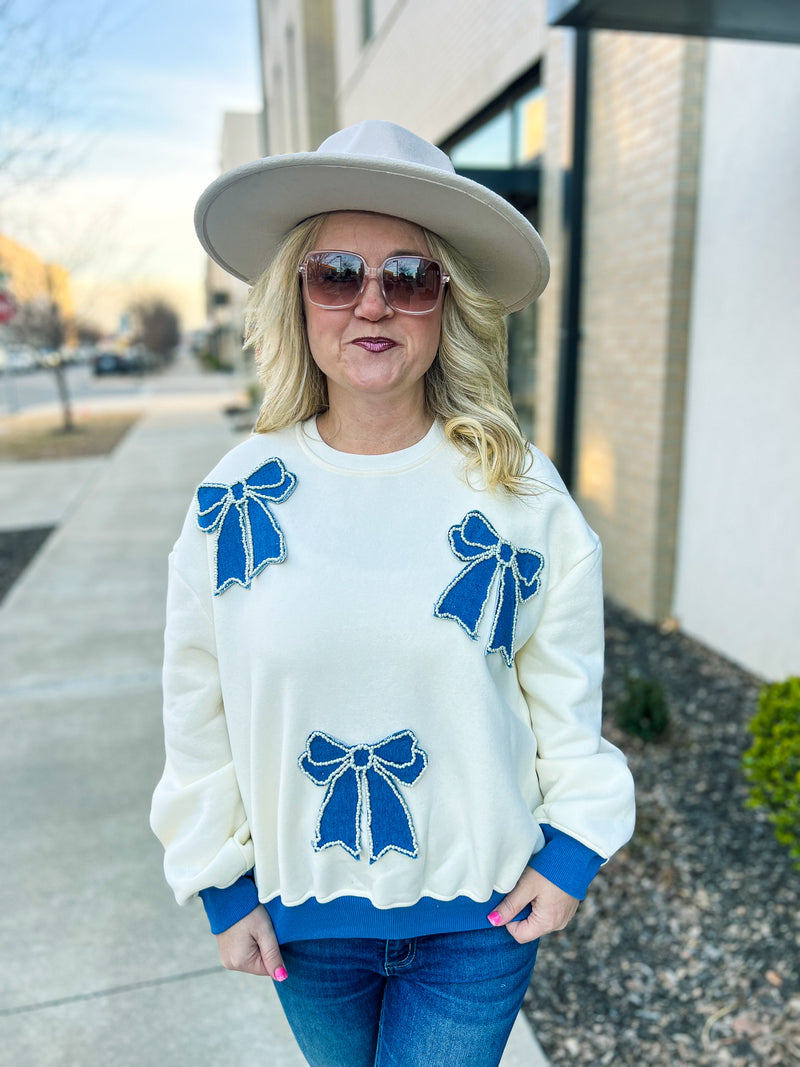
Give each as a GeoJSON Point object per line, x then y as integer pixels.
{"type": "Point", "coordinates": [242, 217]}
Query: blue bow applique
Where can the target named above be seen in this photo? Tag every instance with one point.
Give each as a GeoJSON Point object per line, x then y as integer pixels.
{"type": "Point", "coordinates": [476, 541]}
{"type": "Point", "coordinates": [363, 792]}
{"type": "Point", "coordinates": [248, 537]}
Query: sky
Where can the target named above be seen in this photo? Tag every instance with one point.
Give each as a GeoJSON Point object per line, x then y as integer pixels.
{"type": "Point", "coordinates": [117, 106]}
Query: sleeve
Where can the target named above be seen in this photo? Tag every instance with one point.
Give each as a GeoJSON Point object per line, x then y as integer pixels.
{"type": "Point", "coordinates": [225, 907]}
{"type": "Point", "coordinates": [585, 783]}
{"type": "Point", "coordinates": [197, 811]}
{"type": "Point", "coordinates": [566, 862]}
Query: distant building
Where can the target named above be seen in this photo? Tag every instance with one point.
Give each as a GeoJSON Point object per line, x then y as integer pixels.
{"type": "Point", "coordinates": [30, 279]}
{"type": "Point", "coordinates": [298, 73]}
{"type": "Point", "coordinates": [660, 369]}
{"type": "Point", "coordinates": [225, 295]}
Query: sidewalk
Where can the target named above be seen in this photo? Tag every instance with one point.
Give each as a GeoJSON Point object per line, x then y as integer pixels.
{"type": "Point", "coordinates": [100, 965]}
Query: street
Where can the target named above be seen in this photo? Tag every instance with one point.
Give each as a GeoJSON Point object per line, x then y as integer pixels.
{"type": "Point", "coordinates": [22, 392]}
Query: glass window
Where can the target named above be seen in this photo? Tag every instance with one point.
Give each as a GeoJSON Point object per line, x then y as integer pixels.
{"type": "Point", "coordinates": [367, 20]}
{"type": "Point", "coordinates": [489, 146]}
{"type": "Point", "coordinates": [530, 127]}
{"type": "Point", "coordinates": [513, 139]}
{"type": "Point", "coordinates": [522, 366]}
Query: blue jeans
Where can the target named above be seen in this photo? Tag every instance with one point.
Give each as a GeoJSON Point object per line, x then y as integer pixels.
{"type": "Point", "coordinates": [443, 1000]}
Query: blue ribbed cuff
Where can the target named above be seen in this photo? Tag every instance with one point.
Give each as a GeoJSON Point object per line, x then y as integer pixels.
{"type": "Point", "coordinates": [224, 907]}
{"type": "Point", "coordinates": [566, 862]}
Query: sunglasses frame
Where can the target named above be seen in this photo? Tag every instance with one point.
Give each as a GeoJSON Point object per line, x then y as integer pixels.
{"type": "Point", "coordinates": [377, 274]}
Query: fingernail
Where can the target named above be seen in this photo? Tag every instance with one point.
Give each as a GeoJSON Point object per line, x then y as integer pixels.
{"type": "Point", "coordinates": [495, 918]}
{"type": "Point", "coordinates": [281, 975]}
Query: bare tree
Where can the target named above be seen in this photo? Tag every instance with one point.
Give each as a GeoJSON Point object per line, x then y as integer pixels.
{"type": "Point", "coordinates": [87, 333]}
{"type": "Point", "coordinates": [40, 323]}
{"type": "Point", "coordinates": [43, 85]}
{"type": "Point", "coordinates": [156, 326]}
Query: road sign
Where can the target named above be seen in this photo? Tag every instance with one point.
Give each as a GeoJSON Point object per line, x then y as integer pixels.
{"type": "Point", "coordinates": [8, 307]}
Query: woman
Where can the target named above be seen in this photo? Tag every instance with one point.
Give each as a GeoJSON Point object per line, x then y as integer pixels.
{"type": "Point", "coordinates": [384, 774]}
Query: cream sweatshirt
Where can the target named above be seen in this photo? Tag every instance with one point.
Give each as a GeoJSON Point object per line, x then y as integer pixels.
{"type": "Point", "coordinates": [380, 681]}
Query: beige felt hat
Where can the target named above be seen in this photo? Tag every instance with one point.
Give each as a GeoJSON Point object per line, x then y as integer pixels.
{"type": "Point", "coordinates": [242, 217]}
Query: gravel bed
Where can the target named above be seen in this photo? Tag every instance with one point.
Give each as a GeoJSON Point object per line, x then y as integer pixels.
{"type": "Point", "coordinates": [687, 949]}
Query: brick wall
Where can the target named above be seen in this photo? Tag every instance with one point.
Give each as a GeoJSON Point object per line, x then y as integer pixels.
{"type": "Point", "coordinates": [557, 78]}
{"type": "Point", "coordinates": [645, 98]}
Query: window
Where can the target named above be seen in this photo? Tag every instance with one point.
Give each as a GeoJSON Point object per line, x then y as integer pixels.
{"type": "Point", "coordinates": [530, 127]}
{"type": "Point", "coordinates": [367, 20]}
{"type": "Point", "coordinates": [489, 147]}
{"type": "Point", "coordinates": [502, 148]}
{"type": "Point", "coordinates": [512, 137]}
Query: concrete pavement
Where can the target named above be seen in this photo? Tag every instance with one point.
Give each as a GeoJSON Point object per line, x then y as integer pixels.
{"type": "Point", "coordinates": [99, 964]}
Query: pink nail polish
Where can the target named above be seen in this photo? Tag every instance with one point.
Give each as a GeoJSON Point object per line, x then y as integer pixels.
{"type": "Point", "coordinates": [281, 975]}
{"type": "Point", "coordinates": [495, 918]}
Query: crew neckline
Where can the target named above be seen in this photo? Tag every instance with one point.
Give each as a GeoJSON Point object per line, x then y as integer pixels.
{"type": "Point", "coordinates": [311, 440]}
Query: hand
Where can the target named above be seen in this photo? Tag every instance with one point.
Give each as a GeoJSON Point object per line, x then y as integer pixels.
{"type": "Point", "coordinates": [251, 946]}
{"type": "Point", "coordinates": [552, 908]}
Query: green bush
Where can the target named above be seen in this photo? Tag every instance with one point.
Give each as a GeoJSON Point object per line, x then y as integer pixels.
{"type": "Point", "coordinates": [211, 361]}
{"type": "Point", "coordinates": [772, 763]}
{"type": "Point", "coordinates": [643, 710]}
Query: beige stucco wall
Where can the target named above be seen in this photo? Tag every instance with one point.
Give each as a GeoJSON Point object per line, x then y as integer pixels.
{"type": "Point", "coordinates": [298, 73]}
{"type": "Point", "coordinates": [433, 63]}
{"type": "Point", "coordinates": [645, 96]}
{"type": "Point", "coordinates": [738, 573]}
{"type": "Point", "coordinates": [240, 142]}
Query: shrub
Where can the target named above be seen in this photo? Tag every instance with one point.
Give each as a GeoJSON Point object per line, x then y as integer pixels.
{"type": "Point", "coordinates": [211, 361]}
{"type": "Point", "coordinates": [772, 763]}
{"type": "Point", "coordinates": [643, 711]}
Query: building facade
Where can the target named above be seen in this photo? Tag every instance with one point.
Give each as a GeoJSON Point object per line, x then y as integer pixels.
{"type": "Point", "coordinates": [29, 279]}
{"type": "Point", "coordinates": [297, 73]}
{"type": "Point", "coordinates": [678, 409]}
{"type": "Point", "coordinates": [240, 142]}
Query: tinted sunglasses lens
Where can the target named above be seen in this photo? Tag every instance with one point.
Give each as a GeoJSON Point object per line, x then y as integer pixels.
{"type": "Point", "coordinates": [334, 279]}
{"type": "Point", "coordinates": [412, 283]}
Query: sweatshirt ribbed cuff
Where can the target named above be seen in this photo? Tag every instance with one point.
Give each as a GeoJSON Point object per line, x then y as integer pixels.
{"type": "Point", "coordinates": [224, 907]}
{"type": "Point", "coordinates": [566, 862]}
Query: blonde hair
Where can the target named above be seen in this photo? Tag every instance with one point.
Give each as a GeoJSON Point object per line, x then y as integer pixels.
{"type": "Point", "coordinates": [465, 387]}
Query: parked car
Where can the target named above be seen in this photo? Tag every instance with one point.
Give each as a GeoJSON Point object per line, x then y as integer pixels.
{"type": "Point", "coordinates": [137, 360]}
{"type": "Point", "coordinates": [141, 359]}
{"type": "Point", "coordinates": [20, 359]}
{"type": "Point", "coordinates": [110, 363]}
{"type": "Point", "coordinates": [84, 354]}
{"type": "Point", "coordinates": [49, 358]}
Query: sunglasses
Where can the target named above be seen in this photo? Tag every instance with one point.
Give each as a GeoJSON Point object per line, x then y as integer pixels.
{"type": "Point", "coordinates": [336, 280]}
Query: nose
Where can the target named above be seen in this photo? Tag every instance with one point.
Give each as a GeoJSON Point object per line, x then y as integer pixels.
{"type": "Point", "coordinates": [371, 304]}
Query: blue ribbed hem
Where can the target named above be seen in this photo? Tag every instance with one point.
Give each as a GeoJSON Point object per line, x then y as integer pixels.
{"type": "Point", "coordinates": [566, 862]}
{"type": "Point", "coordinates": [563, 861]}
{"type": "Point", "coordinates": [357, 917]}
{"type": "Point", "coordinates": [224, 907]}
{"type": "Point", "coordinates": [348, 916]}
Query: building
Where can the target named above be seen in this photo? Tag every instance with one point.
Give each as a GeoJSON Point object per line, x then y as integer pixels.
{"type": "Point", "coordinates": [660, 368]}
{"type": "Point", "coordinates": [297, 73]}
{"type": "Point", "coordinates": [240, 142]}
{"type": "Point", "coordinates": [29, 279]}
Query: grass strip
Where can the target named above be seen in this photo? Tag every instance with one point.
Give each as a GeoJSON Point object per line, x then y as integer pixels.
{"type": "Point", "coordinates": [29, 437]}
